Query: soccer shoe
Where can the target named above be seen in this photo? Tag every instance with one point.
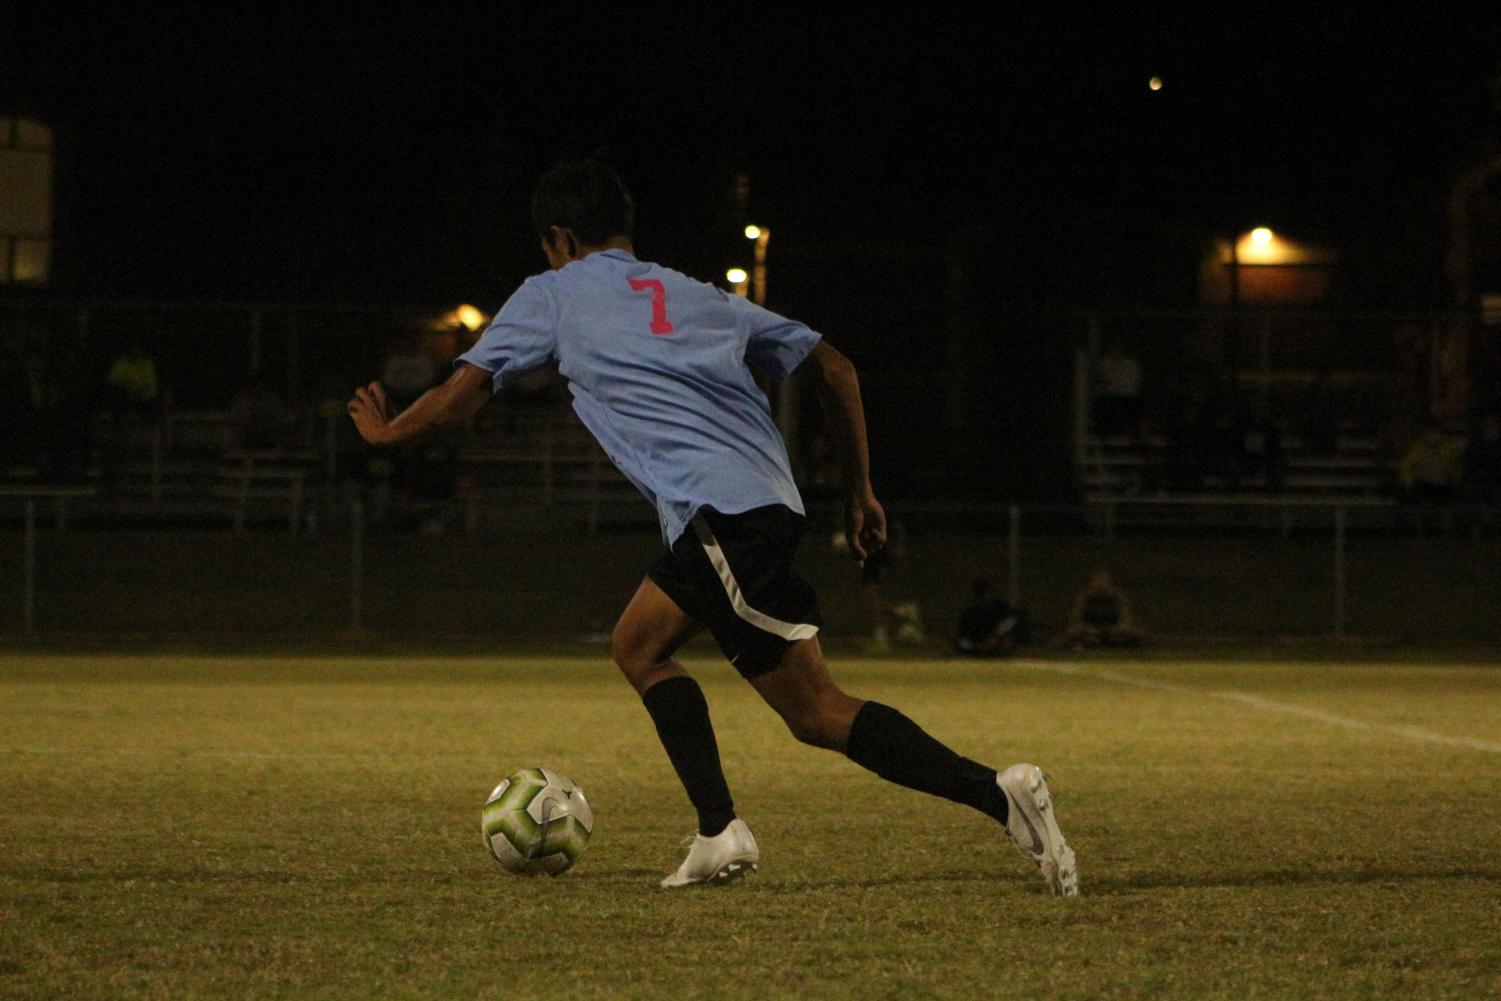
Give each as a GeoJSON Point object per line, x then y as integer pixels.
{"type": "Point", "coordinates": [729, 855]}
{"type": "Point", "coordinates": [1033, 829]}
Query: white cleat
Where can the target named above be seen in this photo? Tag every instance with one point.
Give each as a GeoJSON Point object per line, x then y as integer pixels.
{"type": "Point", "coordinates": [1033, 829]}
{"type": "Point", "coordinates": [729, 855]}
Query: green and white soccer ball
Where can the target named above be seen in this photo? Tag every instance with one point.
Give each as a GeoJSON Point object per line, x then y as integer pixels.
{"type": "Point", "coordinates": [537, 821]}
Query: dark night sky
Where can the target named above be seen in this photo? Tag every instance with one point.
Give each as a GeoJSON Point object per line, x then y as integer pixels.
{"type": "Point", "coordinates": [337, 155]}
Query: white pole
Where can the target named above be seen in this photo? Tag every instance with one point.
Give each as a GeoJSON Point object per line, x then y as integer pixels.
{"type": "Point", "coordinates": [1339, 573]}
{"type": "Point", "coordinates": [28, 568]}
{"type": "Point", "coordinates": [356, 563]}
{"type": "Point", "coordinates": [1013, 557]}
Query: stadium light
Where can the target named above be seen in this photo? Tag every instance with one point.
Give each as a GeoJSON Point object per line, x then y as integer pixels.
{"type": "Point", "coordinates": [739, 282]}
{"type": "Point", "coordinates": [470, 317]}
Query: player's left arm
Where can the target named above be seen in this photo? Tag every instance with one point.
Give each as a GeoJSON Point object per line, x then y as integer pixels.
{"type": "Point", "coordinates": [839, 393]}
{"type": "Point", "coordinates": [451, 404]}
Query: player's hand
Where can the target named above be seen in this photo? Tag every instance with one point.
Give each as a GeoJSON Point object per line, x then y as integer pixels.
{"type": "Point", "coordinates": [864, 525]}
{"type": "Point", "coordinates": [371, 412]}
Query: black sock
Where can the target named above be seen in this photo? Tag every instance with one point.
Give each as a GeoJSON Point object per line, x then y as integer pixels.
{"type": "Point", "coordinates": [900, 751]}
{"type": "Point", "coordinates": [678, 709]}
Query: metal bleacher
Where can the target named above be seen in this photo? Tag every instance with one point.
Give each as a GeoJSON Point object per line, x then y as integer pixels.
{"type": "Point", "coordinates": [514, 468]}
{"type": "Point", "coordinates": [1123, 479]}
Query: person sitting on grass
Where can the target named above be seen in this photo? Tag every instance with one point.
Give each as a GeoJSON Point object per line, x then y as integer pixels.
{"type": "Point", "coordinates": [1101, 614]}
{"type": "Point", "coordinates": [989, 627]}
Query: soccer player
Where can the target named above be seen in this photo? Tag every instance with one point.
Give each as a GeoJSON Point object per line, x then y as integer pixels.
{"type": "Point", "coordinates": [659, 367]}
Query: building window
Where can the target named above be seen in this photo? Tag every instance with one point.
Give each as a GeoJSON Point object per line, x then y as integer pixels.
{"type": "Point", "coordinates": [25, 201]}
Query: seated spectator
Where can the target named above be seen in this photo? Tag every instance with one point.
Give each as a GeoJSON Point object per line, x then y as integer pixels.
{"type": "Point", "coordinates": [1430, 468]}
{"type": "Point", "coordinates": [1117, 386]}
{"type": "Point", "coordinates": [1101, 614]}
{"type": "Point", "coordinates": [989, 627]}
{"type": "Point", "coordinates": [132, 386]}
{"type": "Point", "coordinates": [1261, 454]}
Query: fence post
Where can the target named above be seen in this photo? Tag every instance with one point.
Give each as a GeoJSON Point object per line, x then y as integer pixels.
{"type": "Point", "coordinates": [356, 563]}
{"type": "Point", "coordinates": [1013, 557]}
{"type": "Point", "coordinates": [28, 569]}
{"type": "Point", "coordinates": [1339, 572]}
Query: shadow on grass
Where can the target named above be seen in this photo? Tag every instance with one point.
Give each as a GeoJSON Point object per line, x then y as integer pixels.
{"type": "Point", "coordinates": [1121, 886]}
{"type": "Point", "coordinates": [1108, 886]}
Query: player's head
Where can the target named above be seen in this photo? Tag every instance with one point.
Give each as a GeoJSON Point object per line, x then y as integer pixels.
{"type": "Point", "coordinates": [580, 203]}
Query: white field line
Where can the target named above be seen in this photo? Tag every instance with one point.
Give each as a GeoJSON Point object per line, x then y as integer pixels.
{"type": "Point", "coordinates": [187, 752]}
{"type": "Point", "coordinates": [1271, 705]}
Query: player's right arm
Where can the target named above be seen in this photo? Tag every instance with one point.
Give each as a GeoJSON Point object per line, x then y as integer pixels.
{"type": "Point", "coordinates": [452, 404]}
{"type": "Point", "coordinates": [520, 338]}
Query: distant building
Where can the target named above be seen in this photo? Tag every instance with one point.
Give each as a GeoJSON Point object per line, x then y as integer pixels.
{"type": "Point", "coordinates": [26, 202]}
{"type": "Point", "coordinates": [1262, 268]}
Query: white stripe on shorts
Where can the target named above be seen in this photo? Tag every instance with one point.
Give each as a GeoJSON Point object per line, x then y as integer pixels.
{"type": "Point", "coordinates": [787, 630]}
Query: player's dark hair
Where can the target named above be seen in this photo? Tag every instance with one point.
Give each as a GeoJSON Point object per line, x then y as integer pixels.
{"type": "Point", "coordinates": [585, 196]}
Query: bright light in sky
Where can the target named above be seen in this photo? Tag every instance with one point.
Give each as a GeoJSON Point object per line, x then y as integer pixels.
{"type": "Point", "coordinates": [736, 276]}
{"type": "Point", "coordinates": [470, 317]}
{"type": "Point", "coordinates": [1261, 235]}
{"type": "Point", "coordinates": [1155, 83]}
{"type": "Point", "coordinates": [752, 232]}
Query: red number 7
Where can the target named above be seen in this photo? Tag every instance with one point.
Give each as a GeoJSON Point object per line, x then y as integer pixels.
{"type": "Point", "coordinates": [659, 322]}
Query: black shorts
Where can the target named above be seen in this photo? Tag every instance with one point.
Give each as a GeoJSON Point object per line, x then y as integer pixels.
{"type": "Point", "coordinates": [733, 573]}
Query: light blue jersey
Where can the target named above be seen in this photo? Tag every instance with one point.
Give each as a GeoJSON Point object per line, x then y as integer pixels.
{"type": "Point", "coordinates": [656, 363]}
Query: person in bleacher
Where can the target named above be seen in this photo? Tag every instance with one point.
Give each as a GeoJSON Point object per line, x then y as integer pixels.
{"type": "Point", "coordinates": [1117, 386]}
{"type": "Point", "coordinates": [132, 387]}
{"type": "Point", "coordinates": [1431, 467]}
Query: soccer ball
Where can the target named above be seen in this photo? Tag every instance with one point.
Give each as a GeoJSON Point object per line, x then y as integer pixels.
{"type": "Point", "coordinates": [537, 821]}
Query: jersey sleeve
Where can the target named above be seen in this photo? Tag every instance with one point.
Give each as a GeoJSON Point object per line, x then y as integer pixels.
{"type": "Point", "coordinates": [775, 345]}
{"type": "Point", "coordinates": [522, 336]}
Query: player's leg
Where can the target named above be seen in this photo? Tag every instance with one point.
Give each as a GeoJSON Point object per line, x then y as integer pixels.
{"type": "Point", "coordinates": [818, 712]}
{"type": "Point", "coordinates": [878, 737]}
{"type": "Point", "coordinates": [650, 631]}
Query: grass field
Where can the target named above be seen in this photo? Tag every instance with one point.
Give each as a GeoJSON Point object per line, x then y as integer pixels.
{"type": "Point", "coordinates": [191, 827]}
